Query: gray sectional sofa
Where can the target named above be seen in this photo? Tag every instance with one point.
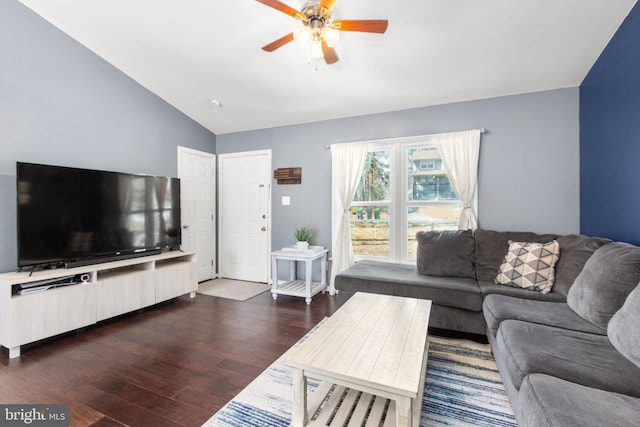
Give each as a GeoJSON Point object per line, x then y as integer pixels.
{"type": "Point", "coordinates": [456, 271]}
{"type": "Point", "coordinates": [569, 357]}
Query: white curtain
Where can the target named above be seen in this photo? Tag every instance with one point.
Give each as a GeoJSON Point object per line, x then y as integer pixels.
{"type": "Point", "coordinates": [460, 152]}
{"type": "Point", "coordinates": [347, 164]}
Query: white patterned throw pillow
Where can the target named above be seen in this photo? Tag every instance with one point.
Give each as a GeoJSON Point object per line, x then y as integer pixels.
{"type": "Point", "coordinates": [530, 265]}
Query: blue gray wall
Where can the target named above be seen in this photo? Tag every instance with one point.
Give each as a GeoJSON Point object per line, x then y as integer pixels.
{"type": "Point", "coordinates": [529, 170]}
{"type": "Point", "coordinates": [61, 104]}
{"type": "Point", "coordinates": [610, 138]}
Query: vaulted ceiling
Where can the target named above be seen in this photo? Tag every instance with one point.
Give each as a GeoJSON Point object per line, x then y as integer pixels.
{"type": "Point", "coordinates": [189, 52]}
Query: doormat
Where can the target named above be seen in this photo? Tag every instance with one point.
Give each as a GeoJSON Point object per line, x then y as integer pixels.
{"type": "Point", "coordinates": [232, 289]}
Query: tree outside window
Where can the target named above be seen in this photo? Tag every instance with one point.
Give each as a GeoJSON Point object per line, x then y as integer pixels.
{"type": "Point", "coordinates": [370, 208]}
{"type": "Point", "coordinates": [374, 184]}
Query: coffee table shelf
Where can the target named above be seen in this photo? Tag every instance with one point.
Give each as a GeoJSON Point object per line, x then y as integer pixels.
{"type": "Point", "coordinates": [334, 405]}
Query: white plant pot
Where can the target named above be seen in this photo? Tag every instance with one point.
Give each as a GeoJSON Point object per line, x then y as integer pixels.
{"type": "Point", "coordinates": [302, 246]}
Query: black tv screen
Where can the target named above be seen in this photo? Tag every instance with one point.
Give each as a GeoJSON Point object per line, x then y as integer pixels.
{"type": "Point", "coordinates": [70, 216]}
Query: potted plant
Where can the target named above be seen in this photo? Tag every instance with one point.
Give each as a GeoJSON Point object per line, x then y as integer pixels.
{"type": "Point", "coordinates": [303, 235]}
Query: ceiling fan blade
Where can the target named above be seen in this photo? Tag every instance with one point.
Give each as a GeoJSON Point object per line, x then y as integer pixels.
{"type": "Point", "coordinates": [326, 6]}
{"type": "Point", "coordinates": [330, 55]}
{"type": "Point", "coordinates": [282, 8]}
{"type": "Point", "coordinates": [278, 43]}
{"type": "Point", "coordinates": [363, 25]}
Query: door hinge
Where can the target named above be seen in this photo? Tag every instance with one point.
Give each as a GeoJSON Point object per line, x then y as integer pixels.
{"type": "Point", "coordinates": [211, 263]}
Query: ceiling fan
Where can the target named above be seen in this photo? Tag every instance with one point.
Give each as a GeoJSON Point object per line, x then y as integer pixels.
{"type": "Point", "coordinates": [320, 31]}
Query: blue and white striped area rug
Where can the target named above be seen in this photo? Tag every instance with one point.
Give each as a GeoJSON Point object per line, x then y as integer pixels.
{"type": "Point", "coordinates": [463, 388]}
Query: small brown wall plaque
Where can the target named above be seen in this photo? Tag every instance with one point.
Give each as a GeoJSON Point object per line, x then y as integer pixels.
{"type": "Point", "coordinates": [288, 175]}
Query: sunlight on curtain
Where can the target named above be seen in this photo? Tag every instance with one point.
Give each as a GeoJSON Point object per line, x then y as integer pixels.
{"type": "Point", "coordinates": [347, 164]}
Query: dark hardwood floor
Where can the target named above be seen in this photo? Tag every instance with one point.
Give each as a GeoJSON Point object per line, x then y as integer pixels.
{"type": "Point", "coordinates": [174, 364]}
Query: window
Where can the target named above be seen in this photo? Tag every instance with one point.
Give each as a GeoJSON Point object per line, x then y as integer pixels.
{"type": "Point", "coordinates": [404, 189]}
{"type": "Point", "coordinates": [427, 164]}
{"type": "Point", "coordinates": [370, 211]}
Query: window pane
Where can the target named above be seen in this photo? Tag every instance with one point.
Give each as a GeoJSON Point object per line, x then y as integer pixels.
{"type": "Point", "coordinates": [427, 179]}
{"type": "Point", "coordinates": [370, 230]}
{"type": "Point", "coordinates": [427, 218]}
{"type": "Point", "coordinates": [374, 184]}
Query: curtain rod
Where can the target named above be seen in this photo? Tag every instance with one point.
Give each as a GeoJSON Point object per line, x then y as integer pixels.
{"type": "Point", "coordinates": [327, 146]}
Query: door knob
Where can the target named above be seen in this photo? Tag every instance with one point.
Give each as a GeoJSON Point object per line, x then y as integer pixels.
{"type": "Point", "coordinates": [264, 228]}
{"type": "Point", "coordinates": [185, 226]}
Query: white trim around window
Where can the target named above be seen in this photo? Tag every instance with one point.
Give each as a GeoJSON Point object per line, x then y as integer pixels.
{"type": "Point", "coordinates": [398, 197]}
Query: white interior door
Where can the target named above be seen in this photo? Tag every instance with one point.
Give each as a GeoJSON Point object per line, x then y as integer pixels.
{"type": "Point", "coordinates": [197, 173]}
{"type": "Point", "coordinates": [245, 215]}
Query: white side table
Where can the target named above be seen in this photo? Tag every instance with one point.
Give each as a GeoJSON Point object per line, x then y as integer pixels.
{"type": "Point", "coordinates": [299, 288]}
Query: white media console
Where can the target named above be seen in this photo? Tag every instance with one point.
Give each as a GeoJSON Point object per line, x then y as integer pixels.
{"type": "Point", "coordinates": [111, 289]}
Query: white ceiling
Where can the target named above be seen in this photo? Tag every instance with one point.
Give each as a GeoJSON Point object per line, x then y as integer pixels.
{"type": "Point", "coordinates": [434, 52]}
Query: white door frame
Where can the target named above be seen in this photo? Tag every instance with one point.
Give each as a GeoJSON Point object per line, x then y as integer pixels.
{"type": "Point", "coordinates": [268, 153]}
{"type": "Point", "coordinates": [214, 222]}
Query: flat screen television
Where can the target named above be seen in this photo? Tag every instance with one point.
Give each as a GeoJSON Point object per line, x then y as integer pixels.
{"type": "Point", "coordinates": [70, 216]}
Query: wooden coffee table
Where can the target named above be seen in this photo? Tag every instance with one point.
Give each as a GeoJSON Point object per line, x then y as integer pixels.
{"type": "Point", "coordinates": [371, 356]}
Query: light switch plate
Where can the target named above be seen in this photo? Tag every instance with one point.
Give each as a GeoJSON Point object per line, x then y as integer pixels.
{"type": "Point", "coordinates": [286, 200]}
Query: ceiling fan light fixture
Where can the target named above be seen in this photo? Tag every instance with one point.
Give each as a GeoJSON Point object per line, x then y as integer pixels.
{"type": "Point", "coordinates": [301, 35]}
{"type": "Point", "coordinates": [316, 50]}
{"type": "Point", "coordinates": [331, 36]}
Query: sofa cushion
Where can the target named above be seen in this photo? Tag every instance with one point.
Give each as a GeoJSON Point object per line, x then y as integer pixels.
{"type": "Point", "coordinates": [489, 287]}
{"type": "Point", "coordinates": [529, 265]}
{"type": "Point", "coordinates": [605, 281]}
{"type": "Point", "coordinates": [575, 250]}
{"type": "Point", "coordinates": [492, 245]}
{"type": "Point", "coordinates": [405, 281]}
{"type": "Point", "coordinates": [624, 328]}
{"type": "Point", "coordinates": [547, 401]}
{"type": "Point", "coordinates": [446, 253]}
{"type": "Point", "coordinates": [498, 308]}
{"type": "Point", "coordinates": [523, 348]}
